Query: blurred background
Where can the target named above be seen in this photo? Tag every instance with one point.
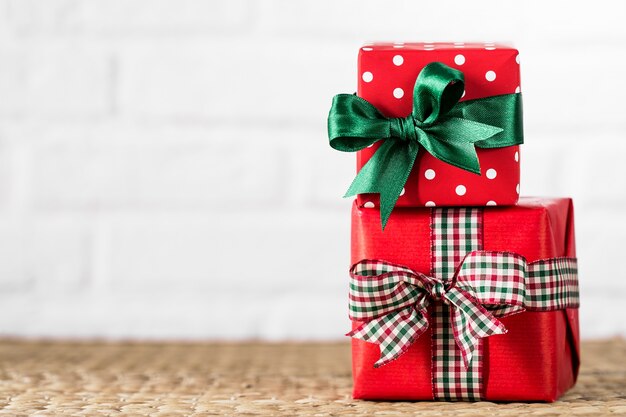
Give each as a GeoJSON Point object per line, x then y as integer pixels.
{"type": "Point", "coordinates": [165, 172]}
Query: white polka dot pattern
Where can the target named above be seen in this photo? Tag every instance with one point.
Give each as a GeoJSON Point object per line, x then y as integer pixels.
{"type": "Point", "coordinates": [387, 76]}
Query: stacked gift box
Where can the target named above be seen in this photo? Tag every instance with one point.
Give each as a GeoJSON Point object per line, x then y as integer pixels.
{"type": "Point", "coordinates": [459, 289]}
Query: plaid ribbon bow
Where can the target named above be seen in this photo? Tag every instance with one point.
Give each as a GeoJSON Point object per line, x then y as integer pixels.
{"type": "Point", "coordinates": [393, 300]}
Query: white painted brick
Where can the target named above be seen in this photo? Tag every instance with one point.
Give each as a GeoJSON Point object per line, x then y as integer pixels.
{"type": "Point", "coordinates": [291, 315]}
{"type": "Point", "coordinates": [598, 171]}
{"type": "Point", "coordinates": [596, 315]}
{"type": "Point", "coordinates": [575, 22]}
{"type": "Point", "coordinates": [564, 164]}
{"type": "Point", "coordinates": [59, 254]}
{"type": "Point", "coordinates": [331, 174]}
{"type": "Point", "coordinates": [599, 235]}
{"type": "Point", "coordinates": [299, 316]}
{"type": "Point", "coordinates": [239, 82]}
{"type": "Point", "coordinates": [121, 167]}
{"type": "Point", "coordinates": [6, 180]}
{"type": "Point", "coordinates": [560, 21]}
{"type": "Point", "coordinates": [543, 160]}
{"type": "Point", "coordinates": [20, 313]}
{"type": "Point", "coordinates": [573, 87]}
{"type": "Point", "coordinates": [547, 162]}
{"type": "Point", "coordinates": [394, 20]}
{"type": "Point", "coordinates": [318, 174]}
{"type": "Point", "coordinates": [12, 264]}
{"type": "Point", "coordinates": [124, 17]}
{"type": "Point", "coordinates": [585, 164]}
{"type": "Point", "coordinates": [53, 80]}
{"type": "Point", "coordinates": [50, 254]}
{"type": "Point", "coordinates": [120, 119]}
{"type": "Point", "coordinates": [258, 252]}
{"type": "Point", "coordinates": [4, 19]}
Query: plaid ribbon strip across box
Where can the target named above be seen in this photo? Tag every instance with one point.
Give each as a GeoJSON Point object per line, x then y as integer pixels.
{"type": "Point", "coordinates": [462, 300]}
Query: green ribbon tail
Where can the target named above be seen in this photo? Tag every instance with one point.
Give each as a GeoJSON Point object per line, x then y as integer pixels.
{"type": "Point", "coordinates": [386, 174]}
{"type": "Point", "coordinates": [504, 111]}
{"type": "Point", "coordinates": [453, 141]}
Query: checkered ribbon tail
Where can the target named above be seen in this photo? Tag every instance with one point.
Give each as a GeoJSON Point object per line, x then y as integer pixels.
{"type": "Point", "coordinates": [392, 300]}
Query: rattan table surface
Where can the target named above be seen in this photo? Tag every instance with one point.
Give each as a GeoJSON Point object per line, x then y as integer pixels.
{"type": "Point", "coordinates": [248, 379]}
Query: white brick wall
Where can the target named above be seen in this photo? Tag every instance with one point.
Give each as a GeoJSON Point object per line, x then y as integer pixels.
{"type": "Point", "coordinates": [133, 200]}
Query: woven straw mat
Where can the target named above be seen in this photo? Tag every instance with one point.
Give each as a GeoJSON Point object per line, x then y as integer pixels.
{"type": "Point", "coordinates": [252, 379]}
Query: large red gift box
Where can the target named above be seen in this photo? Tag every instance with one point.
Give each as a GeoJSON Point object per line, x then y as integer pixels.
{"type": "Point", "coordinates": [387, 73]}
{"type": "Point", "coordinates": [537, 360]}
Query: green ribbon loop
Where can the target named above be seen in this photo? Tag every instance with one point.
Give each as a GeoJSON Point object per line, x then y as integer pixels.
{"type": "Point", "coordinates": [446, 128]}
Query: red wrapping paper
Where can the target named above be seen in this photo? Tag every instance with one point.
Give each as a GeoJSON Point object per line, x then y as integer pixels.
{"type": "Point", "coordinates": [489, 70]}
{"type": "Point", "coordinates": [537, 360]}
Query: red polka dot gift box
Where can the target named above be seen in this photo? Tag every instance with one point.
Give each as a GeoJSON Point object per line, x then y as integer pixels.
{"type": "Point", "coordinates": [443, 122]}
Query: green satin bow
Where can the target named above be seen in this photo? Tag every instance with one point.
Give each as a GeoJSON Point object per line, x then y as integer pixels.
{"type": "Point", "coordinates": [448, 129]}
